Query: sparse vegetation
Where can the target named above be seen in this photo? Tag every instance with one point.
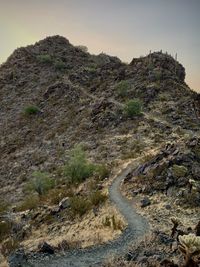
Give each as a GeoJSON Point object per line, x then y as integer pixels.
{"type": "Point", "coordinates": [45, 59]}
{"type": "Point", "coordinates": [133, 108]}
{"type": "Point", "coordinates": [79, 205]}
{"type": "Point", "coordinates": [97, 197]}
{"type": "Point", "coordinates": [4, 205]}
{"type": "Point", "coordinates": [30, 202]}
{"type": "Point", "coordinates": [102, 171]}
{"type": "Point", "coordinates": [78, 168]}
{"type": "Point", "coordinates": [31, 110]}
{"type": "Point", "coordinates": [123, 88]}
{"type": "Point", "coordinates": [59, 65]}
{"type": "Point", "coordinates": [5, 228]}
{"type": "Point", "coordinates": [40, 183]}
{"type": "Point", "coordinates": [8, 246]}
{"type": "Point", "coordinates": [82, 48]}
{"type": "Point", "coordinates": [111, 221]}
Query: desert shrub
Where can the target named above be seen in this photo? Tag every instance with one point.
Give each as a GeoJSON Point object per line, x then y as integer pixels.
{"type": "Point", "coordinates": [40, 183]}
{"type": "Point", "coordinates": [90, 69]}
{"type": "Point", "coordinates": [30, 203]}
{"type": "Point", "coordinates": [55, 195]}
{"type": "Point", "coordinates": [78, 168]}
{"type": "Point", "coordinates": [133, 108]}
{"type": "Point", "coordinates": [82, 48]}
{"type": "Point", "coordinates": [31, 110]}
{"type": "Point", "coordinates": [97, 197]}
{"type": "Point", "coordinates": [112, 222]}
{"type": "Point", "coordinates": [44, 58]}
{"type": "Point", "coordinates": [102, 171]}
{"type": "Point", "coordinates": [79, 205]}
{"type": "Point", "coordinates": [9, 246]}
{"type": "Point", "coordinates": [3, 205]}
{"type": "Point", "coordinates": [59, 65]}
{"type": "Point", "coordinates": [158, 75]}
{"type": "Point", "coordinates": [5, 229]}
{"type": "Point", "coordinates": [123, 88]}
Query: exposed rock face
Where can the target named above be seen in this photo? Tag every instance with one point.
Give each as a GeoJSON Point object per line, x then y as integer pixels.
{"type": "Point", "coordinates": [173, 171]}
{"type": "Point", "coordinates": [158, 63]}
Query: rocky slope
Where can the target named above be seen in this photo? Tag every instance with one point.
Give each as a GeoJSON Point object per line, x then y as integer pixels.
{"type": "Point", "coordinates": [54, 95]}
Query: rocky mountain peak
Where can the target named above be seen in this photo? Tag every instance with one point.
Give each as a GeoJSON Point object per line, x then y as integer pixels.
{"type": "Point", "coordinates": [161, 64]}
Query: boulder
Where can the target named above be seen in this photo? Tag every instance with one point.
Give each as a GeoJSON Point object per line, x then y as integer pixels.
{"type": "Point", "coordinates": [45, 248]}
{"type": "Point", "coordinates": [64, 203]}
{"type": "Point", "coordinates": [145, 202]}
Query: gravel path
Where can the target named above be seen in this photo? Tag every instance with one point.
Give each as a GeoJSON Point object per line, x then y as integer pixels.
{"type": "Point", "coordinates": [94, 256]}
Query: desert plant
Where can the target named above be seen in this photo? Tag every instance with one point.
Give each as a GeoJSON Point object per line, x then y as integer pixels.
{"type": "Point", "coordinates": [176, 223]}
{"type": "Point", "coordinates": [82, 48]}
{"type": "Point", "coordinates": [102, 171]}
{"type": "Point", "coordinates": [5, 229]}
{"type": "Point", "coordinates": [30, 203]}
{"type": "Point", "coordinates": [78, 168]}
{"type": "Point", "coordinates": [97, 197]}
{"type": "Point", "coordinates": [133, 108]}
{"type": "Point", "coordinates": [113, 223]}
{"type": "Point", "coordinates": [122, 88]}
{"type": "Point", "coordinates": [9, 246]}
{"type": "Point", "coordinates": [190, 247]}
{"type": "Point", "coordinates": [3, 205]}
{"type": "Point", "coordinates": [197, 228]}
{"type": "Point", "coordinates": [40, 183]}
{"type": "Point", "coordinates": [45, 58]}
{"type": "Point", "coordinates": [59, 65]}
{"type": "Point", "coordinates": [79, 205]}
{"type": "Point", "coordinates": [31, 110]}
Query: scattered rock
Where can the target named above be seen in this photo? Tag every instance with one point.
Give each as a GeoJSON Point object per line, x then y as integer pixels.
{"type": "Point", "coordinates": [145, 202]}
{"type": "Point", "coordinates": [64, 203]}
{"type": "Point", "coordinates": [45, 248]}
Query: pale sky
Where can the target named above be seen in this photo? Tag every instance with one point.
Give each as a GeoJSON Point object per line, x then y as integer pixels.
{"type": "Point", "coordinates": [124, 28]}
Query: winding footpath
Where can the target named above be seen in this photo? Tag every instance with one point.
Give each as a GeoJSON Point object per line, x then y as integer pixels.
{"type": "Point", "coordinates": [94, 256]}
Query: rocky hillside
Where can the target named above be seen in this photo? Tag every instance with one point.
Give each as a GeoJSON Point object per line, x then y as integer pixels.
{"type": "Point", "coordinates": [78, 97]}
{"type": "Point", "coordinates": [54, 96]}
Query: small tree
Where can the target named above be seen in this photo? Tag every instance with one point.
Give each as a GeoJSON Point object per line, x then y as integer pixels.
{"type": "Point", "coordinates": [133, 108]}
{"type": "Point", "coordinates": [78, 168]}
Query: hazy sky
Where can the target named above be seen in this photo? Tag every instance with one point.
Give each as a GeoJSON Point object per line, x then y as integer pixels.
{"type": "Point", "coordinates": [125, 28]}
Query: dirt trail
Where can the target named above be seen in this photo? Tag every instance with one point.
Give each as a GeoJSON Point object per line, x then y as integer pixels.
{"type": "Point", "coordinates": [94, 256]}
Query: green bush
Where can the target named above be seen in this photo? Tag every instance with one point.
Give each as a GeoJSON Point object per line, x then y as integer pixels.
{"type": "Point", "coordinates": [31, 110]}
{"type": "Point", "coordinates": [59, 65]}
{"type": "Point", "coordinates": [78, 168]}
{"type": "Point", "coordinates": [133, 108]}
{"type": "Point", "coordinates": [79, 205]}
{"type": "Point", "coordinates": [45, 59]}
{"type": "Point", "coordinates": [96, 198]}
{"type": "Point", "coordinates": [41, 183]}
{"type": "Point", "coordinates": [123, 88]}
